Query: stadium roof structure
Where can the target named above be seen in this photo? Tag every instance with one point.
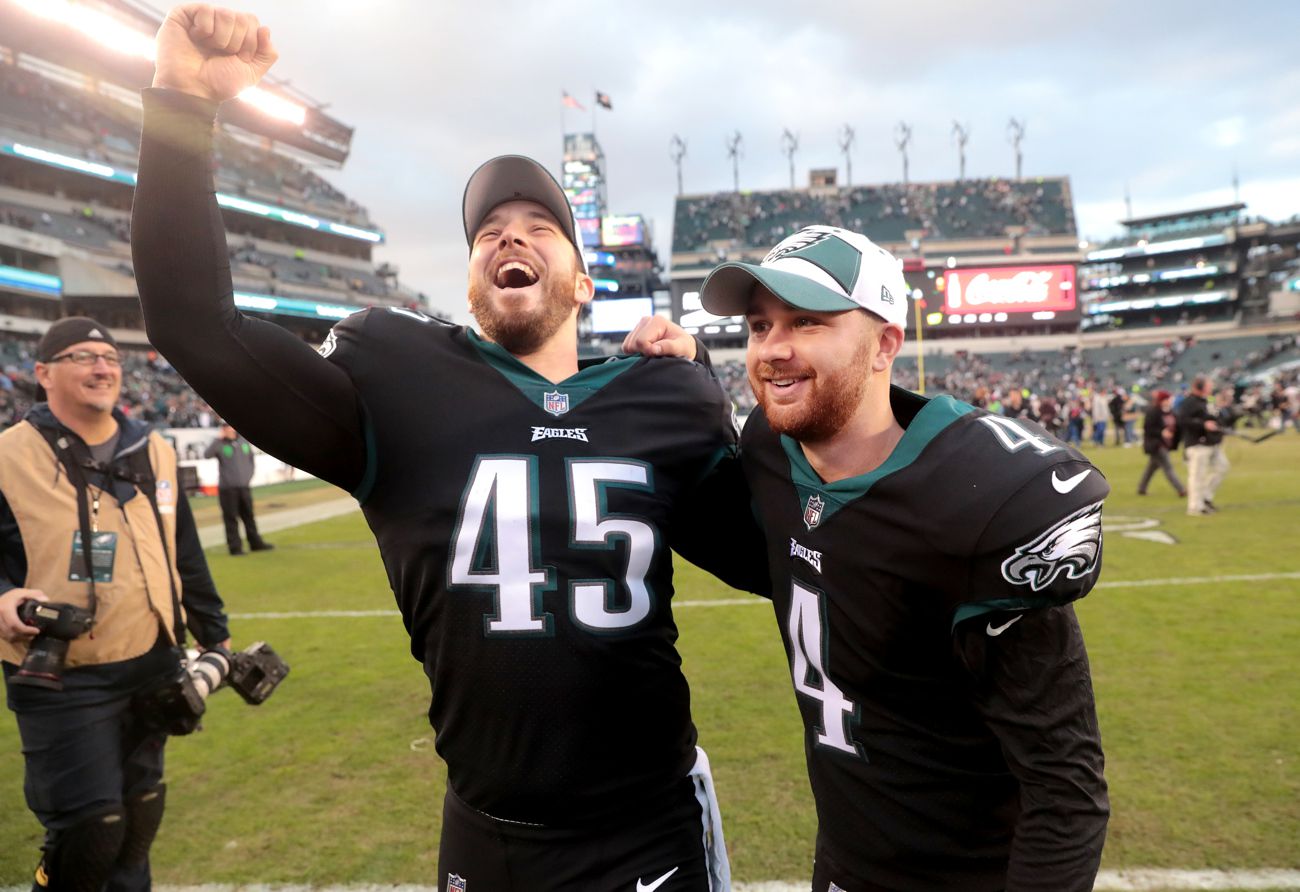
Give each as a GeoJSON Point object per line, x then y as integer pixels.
{"type": "Point", "coordinates": [1216, 211]}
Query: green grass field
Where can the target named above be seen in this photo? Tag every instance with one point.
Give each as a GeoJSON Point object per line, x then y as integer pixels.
{"type": "Point", "coordinates": [335, 779]}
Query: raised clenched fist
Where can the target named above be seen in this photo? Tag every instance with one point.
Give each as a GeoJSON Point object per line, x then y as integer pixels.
{"type": "Point", "coordinates": [212, 52]}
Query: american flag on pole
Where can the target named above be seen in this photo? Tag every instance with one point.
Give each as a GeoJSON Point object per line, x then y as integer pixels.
{"type": "Point", "coordinates": [570, 102]}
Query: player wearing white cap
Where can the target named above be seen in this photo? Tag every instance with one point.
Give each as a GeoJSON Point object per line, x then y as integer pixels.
{"type": "Point", "coordinates": [923, 554]}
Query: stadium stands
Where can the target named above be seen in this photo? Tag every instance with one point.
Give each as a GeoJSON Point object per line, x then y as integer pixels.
{"type": "Point", "coordinates": [101, 129]}
{"type": "Point", "coordinates": [45, 111]}
{"type": "Point", "coordinates": [984, 208]}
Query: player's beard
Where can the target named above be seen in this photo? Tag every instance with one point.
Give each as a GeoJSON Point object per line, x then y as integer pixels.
{"type": "Point", "coordinates": [524, 331]}
{"type": "Point", "coordinates": [831, 401]}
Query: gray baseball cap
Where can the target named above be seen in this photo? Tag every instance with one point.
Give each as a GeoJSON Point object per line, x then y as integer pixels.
{"type": "Point", "coordinates": [516, 178]}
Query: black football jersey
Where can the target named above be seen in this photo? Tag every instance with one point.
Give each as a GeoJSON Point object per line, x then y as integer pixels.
{"type": "Point", "coordinates": [972, 518]}
{"type": "Point", "coordinates": [525, 528]}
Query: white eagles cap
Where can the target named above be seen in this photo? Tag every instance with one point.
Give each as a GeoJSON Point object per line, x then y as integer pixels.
{"type": "Point", "coordinates": [820, 268]}
{"type": "Point", "coordinates": [516, 178]}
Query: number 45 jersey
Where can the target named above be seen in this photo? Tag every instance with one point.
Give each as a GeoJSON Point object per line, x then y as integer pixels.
{"type": "Point", "coordinates": [973, 518]}
{"type": "Point", "coordinates": [525, 528]}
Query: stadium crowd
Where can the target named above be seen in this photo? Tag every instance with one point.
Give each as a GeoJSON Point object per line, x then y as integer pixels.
{"type": "Point", "coordinates": [965, 209]}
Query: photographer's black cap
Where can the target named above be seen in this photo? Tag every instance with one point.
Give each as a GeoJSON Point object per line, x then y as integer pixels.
{"type": "Point", "coordinates": [72, 330]}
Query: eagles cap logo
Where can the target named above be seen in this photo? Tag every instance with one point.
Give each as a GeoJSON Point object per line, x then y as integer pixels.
{"type": "Point", "coordinates": [823, 248]}
{"type": "Point", "coordinates": [1072, 547]}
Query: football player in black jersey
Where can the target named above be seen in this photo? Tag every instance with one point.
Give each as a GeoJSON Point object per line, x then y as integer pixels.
{"type": "Point", "coordinates": [924, 556]}
{"type": "Point", "coordinates": [524, 505]}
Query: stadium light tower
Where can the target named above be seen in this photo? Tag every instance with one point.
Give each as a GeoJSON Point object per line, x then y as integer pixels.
{"type": "Point", "coordinates": [677, 150]}
{"type": "Point", "coordinates": [790, 145]}
{"type": "Point", "coordinates": [846, 146]}
{"type": "Point", "coordinates": [1015, 136]}
{"type": "Point", "coordinates": [733, 152]}
{"type": "Point", "coordinates": [960, 135]}
{"type": "Point", "coordinates": [902, 139]}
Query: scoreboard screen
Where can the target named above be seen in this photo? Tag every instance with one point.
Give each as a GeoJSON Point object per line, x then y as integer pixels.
{"type": "Point", "coordinates": [619, 231]}
{"type": "Point", "coordinates": [1008, 293]}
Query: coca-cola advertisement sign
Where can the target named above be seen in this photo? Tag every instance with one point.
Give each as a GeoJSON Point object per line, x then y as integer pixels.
{"type": "Point", "coordinates": [1009, 289]}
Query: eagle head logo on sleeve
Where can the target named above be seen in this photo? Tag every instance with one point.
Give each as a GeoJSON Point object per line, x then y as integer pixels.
{"type": "Point", "coordinates": [1072, 547]}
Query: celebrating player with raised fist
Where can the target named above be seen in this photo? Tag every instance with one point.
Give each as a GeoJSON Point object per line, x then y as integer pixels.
{"type": "Point", "coordinates": [524, 504]}
{"type": "Point", "coordinates": [212, 52]}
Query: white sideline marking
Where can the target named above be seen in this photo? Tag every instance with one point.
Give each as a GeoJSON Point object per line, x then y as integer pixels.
{"type": "Point", "coordinates": [1201, 580]}
{"type": "Point", "coordinates": [1135, 880]}
{"type": "Point", "coordinates": [755, 600]}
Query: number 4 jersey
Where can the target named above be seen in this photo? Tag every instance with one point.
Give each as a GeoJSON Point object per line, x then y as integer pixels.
{"type": "Point", "coordinates": [526, 528]}
{"type": "Point", "coordinates": [974, 518]}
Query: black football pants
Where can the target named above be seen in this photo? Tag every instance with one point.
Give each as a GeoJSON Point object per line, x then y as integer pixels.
{"type": "Point", "coordinates": [659, 851]}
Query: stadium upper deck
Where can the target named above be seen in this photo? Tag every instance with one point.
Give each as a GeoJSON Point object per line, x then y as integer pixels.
{"type": "Point", "coordinates": [301, 250]}
{"type": "Point", "coordinates": [887, 213]}
{"type": "Point", "coordinates": [991, 228]}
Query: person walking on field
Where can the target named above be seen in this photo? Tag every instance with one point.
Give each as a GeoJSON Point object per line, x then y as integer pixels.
{"type": "Point", "coordinates": [1159, 438]}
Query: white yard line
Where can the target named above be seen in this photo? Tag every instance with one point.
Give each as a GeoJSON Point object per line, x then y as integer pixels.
{"type": "Point", "coordinates": [1135, 880]}
{"type": "Point", "coordinates": [756, 601]}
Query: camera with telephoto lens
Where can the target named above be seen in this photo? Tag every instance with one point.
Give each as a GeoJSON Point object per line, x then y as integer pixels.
{"type": "Point", "coordinates": [177, 705]}
{"type": "Point", "coordinates": [59, 624]}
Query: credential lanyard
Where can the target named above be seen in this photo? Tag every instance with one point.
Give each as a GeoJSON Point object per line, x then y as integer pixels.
{"type": "Point", "coordinates": [65, 450]}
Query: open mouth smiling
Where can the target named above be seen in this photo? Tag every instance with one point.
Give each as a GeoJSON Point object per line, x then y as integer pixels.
{"type": "Point", "coordinates": [515, 274]}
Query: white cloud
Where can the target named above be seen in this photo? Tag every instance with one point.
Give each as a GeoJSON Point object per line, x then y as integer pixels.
{"type": "Point", "coordinates": [1227, 132]}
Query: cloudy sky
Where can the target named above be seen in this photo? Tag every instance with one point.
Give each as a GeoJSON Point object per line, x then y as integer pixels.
{"type": "Point", "coordinates": [1167, 97]}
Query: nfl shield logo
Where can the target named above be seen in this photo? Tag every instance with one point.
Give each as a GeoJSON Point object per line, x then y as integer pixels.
{"type": "Point", "coordinates": [455, 883]}
{"type": "Point", "coordinates": [812, 512]}
{"type": "Point", "coordinates": [555, 402]}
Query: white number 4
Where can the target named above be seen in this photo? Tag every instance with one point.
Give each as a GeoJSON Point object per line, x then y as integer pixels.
{"type": "Point", "coordinates": [809, 646]}
{"type": "Point", "coordinates": [1014, 436]}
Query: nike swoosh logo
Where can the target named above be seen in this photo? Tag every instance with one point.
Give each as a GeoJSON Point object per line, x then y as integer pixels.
{"type": "Point", "coordinates": [1069, 483]}
{"type": "Point", "coordinates": [642, 887]}
{"type": "Point", "coordinates": [995, 631]}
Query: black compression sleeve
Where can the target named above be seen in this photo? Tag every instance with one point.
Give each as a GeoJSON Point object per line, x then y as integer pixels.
{"type": "Point", "coordinates": [1033, 687]}
{"type": "Point", "coordinates": [275, 389]}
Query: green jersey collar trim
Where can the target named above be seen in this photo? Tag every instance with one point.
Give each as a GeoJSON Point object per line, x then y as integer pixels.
{"type": "Point", "coordinates": [572, 391]}
{"type": "Point", "coordinates": [933, 418]}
